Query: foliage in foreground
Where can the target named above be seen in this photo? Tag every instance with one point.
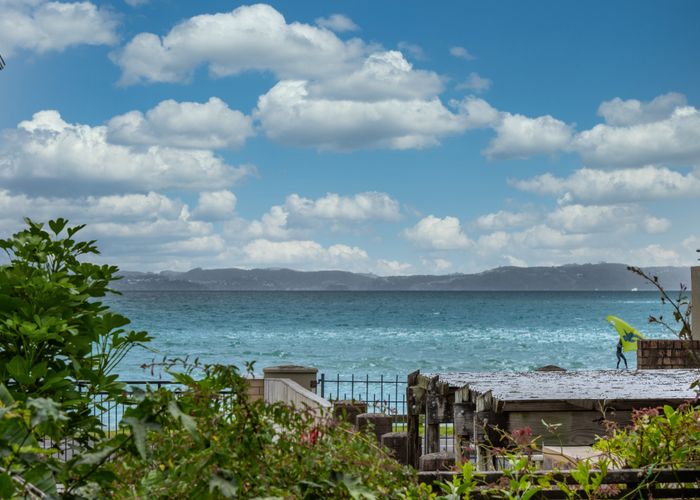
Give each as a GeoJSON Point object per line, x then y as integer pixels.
{"type": "Point", "coordinates": [657, 438]}
{"type": "Point", "coordinates": [204, 442]}
{"type": "Point", "coordinates": [54, 331]}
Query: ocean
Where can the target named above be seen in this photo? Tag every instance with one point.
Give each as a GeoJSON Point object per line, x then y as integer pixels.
{"type": "Point", "coordinates": [385, 333]}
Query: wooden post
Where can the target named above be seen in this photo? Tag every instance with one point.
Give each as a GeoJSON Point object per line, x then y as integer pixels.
{"type": "Point", "coordinates": [432, 423]}
{"type": "Point", "coordinates": [482, 419]}
{"type": "Point", "coordinates": [463, 426]}
{"type": "Point", "coordinates": [695, 301]}
{"type": "Point", "coordinates": [413, 410]}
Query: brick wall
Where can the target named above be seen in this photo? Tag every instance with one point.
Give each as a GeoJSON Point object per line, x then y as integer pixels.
{"type": "Point", "coordinates": [665, 354]}
{"type": "Point", "coordinates": [256, 388]}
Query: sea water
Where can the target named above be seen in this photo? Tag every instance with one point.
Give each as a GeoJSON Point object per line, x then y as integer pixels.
{"type": "Point", "coordinates": [385, 333]}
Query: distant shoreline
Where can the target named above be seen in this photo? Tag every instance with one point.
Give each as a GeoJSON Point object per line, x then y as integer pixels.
{"type": "Point", "coordinates": [570, 278]}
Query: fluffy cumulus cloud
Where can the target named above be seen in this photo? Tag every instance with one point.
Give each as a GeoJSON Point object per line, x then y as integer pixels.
{"type": "Point", "coordinates": [673, 139]}
{"type": "Point", "coordinates": [290, 113]}
{"type": "Point", "coordinates": [606, 218]}
{"type": "Point", "coordinates": [330, 94]}
{"type": "Point", "coordinates": [209, 125]}
{"type": "Point", "coordinates": [359, 207]}
{"type": "Point", "coordinates": [215, 205]}
{"type": "Point", "coordinates": [504, 219]}
{"type": "Point", "coordinates": [519, 136]}
{"type": "Point", "coordinates": [337, 22]}
{"type": "Point", "coordinates": [255, 37]}
{"type": "Point", "coordinates": [43, 26]}
{"type": "Point", "coordinates": [299, 213]}
{"type": "Point", "coordinates": [612, 186]}
{"type": "Point", "coordinates": [438, 233]}
{"type": "Point", "coordinates": [304, 253]}
{"type": "Point", "coordinates": [49, 154]}
{"type": "Point", "coordinates": [381, 76]}
{"type": "Point", "coordinates": [621, 113]}
{"type": "Point", "coordinates": [664, 130]}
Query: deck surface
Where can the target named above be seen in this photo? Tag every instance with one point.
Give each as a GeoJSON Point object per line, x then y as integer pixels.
{"type": "Point", "coordinates": [637, 385]}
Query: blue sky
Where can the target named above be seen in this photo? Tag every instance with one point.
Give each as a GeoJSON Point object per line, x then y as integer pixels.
{"type": "Point", "coordinates": [384, 137]}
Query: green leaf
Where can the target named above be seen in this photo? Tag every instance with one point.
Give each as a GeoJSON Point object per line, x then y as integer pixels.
{"type": "Point", "coordinates": [187, 421]}
{"type": "Point", "coordinates": [5, 397]}
{"type": "Point", "coordinates": [138, 431]}
{"type": "Point", "coordinates": [57, 225]}
{"type": "Point", "coordinates": [41, 477]}
{"type": "Point", "coordinates": [228, 489]}
{"type": "Point", "coordinates": [7, 487]}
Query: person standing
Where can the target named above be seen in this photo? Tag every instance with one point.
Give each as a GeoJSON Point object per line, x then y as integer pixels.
{"type": "Point", "coordinates": [620, 355]}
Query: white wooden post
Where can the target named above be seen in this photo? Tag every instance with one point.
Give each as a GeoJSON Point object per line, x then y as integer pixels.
{"type": "Point", "coordinates": [695, 301]}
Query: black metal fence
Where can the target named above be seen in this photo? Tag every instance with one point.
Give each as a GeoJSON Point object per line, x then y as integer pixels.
{"type": "Point", "coordinates": [383, 394]}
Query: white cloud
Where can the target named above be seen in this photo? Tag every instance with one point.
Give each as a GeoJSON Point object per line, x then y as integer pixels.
{"type": "Point", "coordinates": [302, 252]}
{"type": "Point", "coordinates": [493, 242]}
{"type": "Point", "coordinates": [519, 136]}
{"type": "Point", "coordinates": [675, 139]}
{"type": "Point", "coordinates": [360, 207]}
{"type": "Point", "coordinates": [543, 236]}
{"type": "Point", "coordinates": [438, 234]}
{"type": "Point", "coordinates": [273, 224]}
{"type": "Point", "coordinates": [475, 82]}
{"type": "Point", "coordinates": [43, 26]}
{"type": "Point", "coordinates": [633, 112]}
{"type": "Point", "coordinates": [631, 184]}
{"type": "Point", "coordinates": [215, 205]}
{"type": "Point", "coordinates": [298, 213]}
{"type": "Point", "coordinates": [255, 37]}
{"type": "Point", "coordinates": [91, 208]}
{"type": "Point", "coordinates": [664, 130]}
{"type": "Point", "coordinates": [477, 113]}
{"type": "Point", "coordinates": [656, 225]}
{"type": "Point", "coordinates": [210, 244]}
{"type": "Point", "coordinates": [48, 154]}
{"type": "Point", "coordinates": [504, 219]}
{"type": "Point", "coordinates": [337, 22]}
{"type": "Point", "coordinates": [605, 218]}
{"type": "Point", "coordinates": [461, 53]}
{"type": "Point", "coordinates": [382, 76]}
{"type": "Point", "coordinates": [211, 125]}
{"type": "Point", "coordinates": [289, 114]}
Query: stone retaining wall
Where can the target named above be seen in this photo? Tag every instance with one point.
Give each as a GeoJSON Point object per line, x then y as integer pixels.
{"type": "Point", "coordinates": [668, 354]}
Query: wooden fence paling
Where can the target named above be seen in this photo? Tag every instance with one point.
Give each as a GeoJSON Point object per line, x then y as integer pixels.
{"type": "Point", "coordinates": [630, 477]}
{"type": "Point", "coordinates": [413, 410]}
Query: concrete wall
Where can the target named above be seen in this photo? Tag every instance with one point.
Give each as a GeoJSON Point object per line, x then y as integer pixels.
{"type": "Point", "coordinates": [256, 389]}
{"type": "Point", "coordinates": [666, 354]}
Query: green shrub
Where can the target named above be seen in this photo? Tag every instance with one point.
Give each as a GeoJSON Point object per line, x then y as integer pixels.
{"type": "Point", "coordinates": [201, 442]}
{"type": "Point", "coordinates": [53, 331]}
{"type": "Point", "coordinates": [659, 437]}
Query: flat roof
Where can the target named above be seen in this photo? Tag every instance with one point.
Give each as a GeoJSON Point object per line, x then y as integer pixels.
{"type": "Point", "coordinates": [654, 386]}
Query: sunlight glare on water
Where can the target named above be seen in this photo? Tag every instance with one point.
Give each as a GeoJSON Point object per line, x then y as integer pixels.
{"type": "Point", "coordinates": [386, 332]}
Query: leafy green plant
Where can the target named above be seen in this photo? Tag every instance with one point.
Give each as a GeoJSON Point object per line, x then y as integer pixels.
{"type": "Point", "coordinates": [212, 439]}
{"type": "Point", "coordinates": [658, 437]}
{"type": "Point", "coordinates": [680, 305]}
{"type": "Point", "coordinates": [56, 339]}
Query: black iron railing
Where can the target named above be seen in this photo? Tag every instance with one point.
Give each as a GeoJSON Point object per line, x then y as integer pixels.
{"type": "Point", "coordinates": [383, 394]}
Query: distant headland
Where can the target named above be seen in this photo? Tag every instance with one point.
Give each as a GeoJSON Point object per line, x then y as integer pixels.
{"type": "Point", "coordinates": [573, 277]}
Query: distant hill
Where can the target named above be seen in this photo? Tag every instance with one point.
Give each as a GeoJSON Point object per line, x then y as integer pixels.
{"type": "Point", "coordinates": [571, 277]}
